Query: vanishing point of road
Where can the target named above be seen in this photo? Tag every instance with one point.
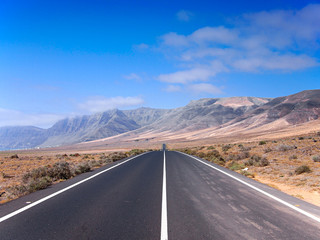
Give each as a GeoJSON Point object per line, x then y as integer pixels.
{"type": "Point", "coordinates": [159, 195]}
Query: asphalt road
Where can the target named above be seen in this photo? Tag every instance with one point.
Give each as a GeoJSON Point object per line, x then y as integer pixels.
{"type": "Point", "coordinates": [125, 202]}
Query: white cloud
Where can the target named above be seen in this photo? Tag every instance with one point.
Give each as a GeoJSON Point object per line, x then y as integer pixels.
{"type": "Point", "coordinates": [175, 40]}
{"type": "Point", "coordinates": [184, 15]}
{"type": "Point", "coordinates": [285, 63]}
{"type": "Point", "coordinates": [213, 35]}
{"type": "Point", "coordinates": [100, 104]}
{"type": "Point", "coordinates": [173, 88]}
{"type": "Point", "coordinates": [204, 88]}
{"type": "Point", "coordinates": [133, 76]}
{"type": "Point", "coordinates": [264, 41]}
{"type": "Point", "coordinates": [141, 46]}
{"type": "Point", "coordinates": [284, 28]}
{"type": "Point", "coordinates": [10, 117]}
{"type": "Point", "coordinates": [187, 76]}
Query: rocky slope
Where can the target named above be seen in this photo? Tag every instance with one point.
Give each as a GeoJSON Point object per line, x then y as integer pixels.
{"type": "Point", "coordinates": [205, 113]}
{"type": "Point", "coordinates": [210, 116]}
{"type": "Point", "coordinates": [294, 109]}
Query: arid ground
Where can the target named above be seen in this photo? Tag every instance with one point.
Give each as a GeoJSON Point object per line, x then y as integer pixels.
{"type": "Point", "coordinates": [290, 163]}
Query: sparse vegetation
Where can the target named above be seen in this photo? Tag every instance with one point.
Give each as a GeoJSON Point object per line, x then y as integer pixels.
{"type": "Point", "coordinates": [267, 150]}
{"type": "Point", "coordinates": [235, 166]}
{"type": "Point", "coordinates": [293, 157]}
{"type": "Point", "coordinates": [14, 156]}
{"type": "Point", "coordinates": [247, 174]}
{"type": "Point", "coordinates": [302, 169]}
{"type": "Point", "coordinates": [262, 142]}
{"type": "Point", "coordinates": [316, 158]}
{"type": "Point", "coordinates": [284, 148]}
{"type": "Point", "coordinates": [225, 148]}
{"type": "Point", "coordinates": [277, 162]}
{"type": "Point", "coordinates": [257, 161]}
{"type": "Point", "coordinates": [27, 174]}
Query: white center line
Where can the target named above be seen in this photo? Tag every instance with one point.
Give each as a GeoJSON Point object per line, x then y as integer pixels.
{"type": "Point", "coordinates": [164, 220]}
{"type": "Point", "coordinates": [62, 190]}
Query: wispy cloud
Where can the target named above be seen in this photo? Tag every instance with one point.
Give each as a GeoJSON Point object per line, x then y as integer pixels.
{"type": "Point", "coordinates": [133, 76]}
{"type": "Point", "coordinates": [282, 41]}
{"type": "Point", "coordinates": [204, 88]}
{"type": "Point", "coordinates": [141, 46]}
{"type": "Point", "coordinates": [100, 104]}
{"type": "Point", "coordinates": [9, 117]}
{"type": "Point", "coordinates": [184, 15]}
{"type": "Point", "coordinates": [187, 76]}
{"type": "Point", "coordinates": [173, 88]}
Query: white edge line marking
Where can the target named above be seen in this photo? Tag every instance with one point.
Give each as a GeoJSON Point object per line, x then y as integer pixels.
{"type": "Point", "coordinates": [259, 190]}
{"type": "Point", "coordinates": [62, 190]}
{"type": "Point", "coordinates": [164, 220]}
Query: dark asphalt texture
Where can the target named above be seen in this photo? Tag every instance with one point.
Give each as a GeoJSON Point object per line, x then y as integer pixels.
{"type": "Point", "coordinates": [125, 203]}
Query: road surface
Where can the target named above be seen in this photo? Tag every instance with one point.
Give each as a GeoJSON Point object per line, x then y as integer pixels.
{"type": "Point", "coordinates": [139, 199]}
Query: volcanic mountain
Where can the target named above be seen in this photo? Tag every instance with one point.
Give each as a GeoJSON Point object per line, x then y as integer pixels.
{"type": "Point", "coordinates": [199, 119]}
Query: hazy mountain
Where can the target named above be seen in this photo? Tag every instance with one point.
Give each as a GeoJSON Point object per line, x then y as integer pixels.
{"type": "Point", "coordinates": [21, 137]}
{"type": "Point", "coordinates": [87, 128]}
{"type": "Point", "coordinates": [209, 113]}
{"type": "Point", "coordinates": [78, 129]}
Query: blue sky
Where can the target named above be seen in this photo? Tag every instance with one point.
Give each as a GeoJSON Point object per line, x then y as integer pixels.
{"type": "Point", "coordinates": [66, 58]}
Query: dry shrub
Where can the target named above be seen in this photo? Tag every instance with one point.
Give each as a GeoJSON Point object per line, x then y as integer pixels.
{"type": "Point", "coordinates": [225, 148]}
{"type": "Point", "coordinates": [82, 168]}
{"type": "Point", "coordinates": [239, 156]}
{"type": "Point", "coordinates": [234, 166]}
{"type": "Point", "coordinates": [267, 150]}
{"type": "Point", "coordinates": [302, 169]}
{"type": "Point", "coordinates": [284, 147]}
{"type": "Point", "coordinates": [316, 158]}
{"type": "Point", "coordinates": [293, 157]}
{"type": "Point", "coordinates": [257, 161]}
{"type": "Point", "coordinates": [116, 156]}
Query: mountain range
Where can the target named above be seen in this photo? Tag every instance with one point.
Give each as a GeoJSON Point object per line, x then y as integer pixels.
{"type": "Point", "coordinates": [207, 116]}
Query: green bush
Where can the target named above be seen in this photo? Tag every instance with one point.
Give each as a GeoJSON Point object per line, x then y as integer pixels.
{"type": "Point", "coordinates": [234, 166]}
{"type": "Point", "coordinates": [262, 142]}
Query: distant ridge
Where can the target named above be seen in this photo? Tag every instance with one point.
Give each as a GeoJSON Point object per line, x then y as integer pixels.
{"type": "Point", "coordinates": [218, 115]}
